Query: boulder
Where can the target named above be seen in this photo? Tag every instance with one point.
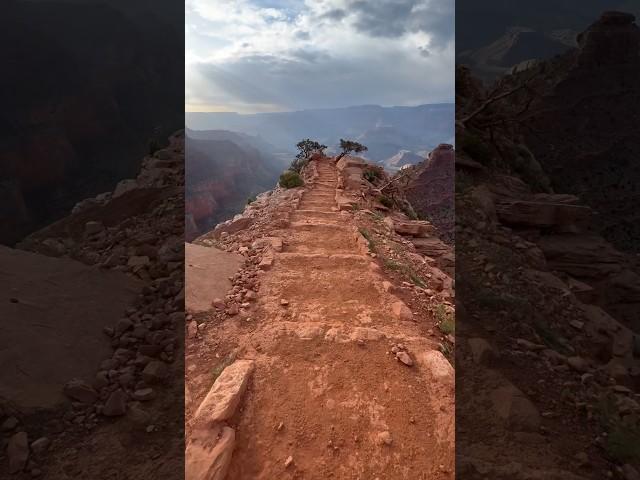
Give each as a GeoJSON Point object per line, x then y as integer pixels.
{"type": "Point", "coordinates": [481, 350]}
{"type": "Point", "coordinates": [581, 256]}
{"type": "Point", "coordinates": [224, 397]}
{"type": "Point", "coordinates": [80, 391]}
{"type": "Point", "coordinates": [512, 406]}
{"type": "Point", "coordinates": [232, 226]}
{"type": "Point", "coordinates": [543, 214]}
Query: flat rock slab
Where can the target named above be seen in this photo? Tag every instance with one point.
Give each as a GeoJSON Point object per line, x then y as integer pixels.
{"type": "Point", "coordinates": [208, 456]}
{"type": "Point", "coordinates": [52, 312]}
{"type": "Point", "coordinates": [207, 272]}
{"type": "Point", "coordinates": [224, 397]}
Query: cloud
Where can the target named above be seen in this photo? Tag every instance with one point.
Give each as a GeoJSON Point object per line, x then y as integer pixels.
{"type": "Point", "coordinates": [255, 55]}
{"type": "Point", "coordinates": [335, 14]}
{"type": "Point", "coordinates": [393, 18]}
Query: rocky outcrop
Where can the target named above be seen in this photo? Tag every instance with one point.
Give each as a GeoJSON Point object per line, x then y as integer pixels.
{"type": "Point", "coordinates": [221, 178]}
{"type": "Point", "coordinates": [587, 154]}
{"type": "Point", "coordinates": [130, 241]}
{"type": "Point", "coordinates": [77, 125]}
{"type": "Point", "coordinates": [611, 41]}
{"type": "Point", "coordinates": [431, 188]}
{"type": "Point", "coordinates": [550, 290]}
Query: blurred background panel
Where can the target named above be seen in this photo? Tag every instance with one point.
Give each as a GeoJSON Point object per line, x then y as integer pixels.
{"type": "Point", "coordinates": [91, 239]}
{"type": "Point", "coordinates": [547, 110]}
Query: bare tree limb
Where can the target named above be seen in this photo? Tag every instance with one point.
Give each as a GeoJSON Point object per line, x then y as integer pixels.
{"type": "Point", "coordinates": [491, 100]}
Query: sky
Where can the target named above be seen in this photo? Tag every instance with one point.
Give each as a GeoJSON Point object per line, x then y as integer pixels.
{"type": "Point", "coordinates": [251, 56]}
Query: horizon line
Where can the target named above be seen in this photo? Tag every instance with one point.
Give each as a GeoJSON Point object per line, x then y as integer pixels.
{"type": "Point", "coordinates": [323, 108]}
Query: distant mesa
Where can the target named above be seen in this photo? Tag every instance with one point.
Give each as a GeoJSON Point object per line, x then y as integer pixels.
{"type": "Point", "coordinates": [385, 130]}
{"type": "Point", "coordinates": [402, 159]}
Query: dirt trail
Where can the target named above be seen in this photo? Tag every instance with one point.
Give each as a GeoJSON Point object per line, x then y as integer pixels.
{"type": "Point", "coordinates": [326, 390]}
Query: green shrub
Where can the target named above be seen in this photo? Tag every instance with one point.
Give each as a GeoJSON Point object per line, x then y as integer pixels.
{"type": "Point", "coordinates": [290, 179]}
{"type": "Point", "coordinates": [386, 201]}
{"type": "Point", "coordinates": [367, 235]}
{"type": "Point", "coordinates": [446, 322]}
{"type": "Point", "coordinates": [298, 164]}
{"type": "Point", "coordinates": [371, 175]}
{"type": "Point", "coordinates": [250, 200]}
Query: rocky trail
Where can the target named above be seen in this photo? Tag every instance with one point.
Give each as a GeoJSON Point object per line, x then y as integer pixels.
{"type": "Point", "coordinates": [329, 375]}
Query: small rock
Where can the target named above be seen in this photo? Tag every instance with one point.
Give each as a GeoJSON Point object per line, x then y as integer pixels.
{"type": "Point", "coordinates": [233, 309]}
{"type": "Point", "coordinates": [404, 358]}
{"type": "Point", "coordinates": [192, 329]}
{"type": "Point", "coordinates": [387, 286]}
{"type": "Point", "coordinates": [578, 364]}
{"type": "Point", "coordinates": [621, 389]}
{"type": "Point", "coordinates": [79, 390]}
{"type": "Point", "coordinates": [18, 452]}
{"type": "Point", "coordinates": [481, 350]}
{"type": "Point", "coordinates": [577, 324]}
{"type": "Point", "coordinates": [138, 415]}
{"type": "Point", "coordinates": [116, 404]}
{"type": "Point", "coordinates": [217, 303]}
{"type": "Point", "coordinates": [284, 302]}
{"type": "Point", "coordinates": [155, 372]}
{"type": "Point", "coordinates": [288, 461]}
{"type": "Point", "coordinates": [401, 311]}
{"type": "Point", "coordinates": [144, 394]}
{"type": "Point", "coordinates": [9, 424]}
{"type": "Point", "coordinates": [384, 438]}
{"type": "Point", "coordinates": [122, 326]}
{"type": "Point", "coordinates": [92, 227]}
{"type": "Point", "coordinates": [40, 445]}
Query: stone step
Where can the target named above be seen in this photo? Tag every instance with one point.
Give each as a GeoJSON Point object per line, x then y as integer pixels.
{"type": "Point", "coordinates": [314, 204]}
{"type": "Point", "coordinates": [313, 238]}
{"type": "Point", "coordinates": [315, 215]}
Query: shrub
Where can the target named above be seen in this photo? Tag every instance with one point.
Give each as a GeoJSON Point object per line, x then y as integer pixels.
{"type": "Point", "coordinates": [250, 200]}
{"type": "Point", "coordinates": [386, 201]}
{"type": "Point", "coordinates": [290, 179]}
{"type": "Point", "coordinates": [371, 175]}
{"type": "Point", "coordinates": [446, 322]}
{"type": "Point", "coordinates": [298, 164]}
{"type": "Point", "coordinates": [367, 235]}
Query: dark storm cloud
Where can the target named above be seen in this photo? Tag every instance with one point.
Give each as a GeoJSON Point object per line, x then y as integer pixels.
{"type": "Point", "coordinates": [394, 18]}
{"type": "Point", "coordinates": [335, 14]}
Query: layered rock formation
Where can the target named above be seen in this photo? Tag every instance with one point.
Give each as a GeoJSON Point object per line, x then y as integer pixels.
{"type": "Point", "coordinates": [431, 189]}
{"type": "Point", "coordinates": [583, 123]}
{"type": "Point", "coordinates": [549, 290]}
{"type": "Point", "coordinates": [222, 173]}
